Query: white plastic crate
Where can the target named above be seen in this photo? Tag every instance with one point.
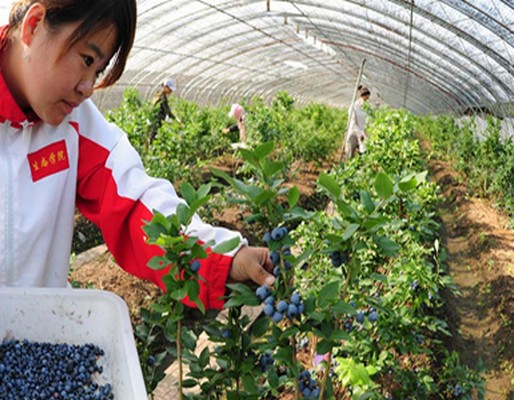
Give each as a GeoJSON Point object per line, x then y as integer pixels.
{"type": "Point", "coordinates": [78, 316]}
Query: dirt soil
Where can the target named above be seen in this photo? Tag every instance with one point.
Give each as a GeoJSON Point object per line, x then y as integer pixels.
{"type": "Point", "coordinates": [480, 249]}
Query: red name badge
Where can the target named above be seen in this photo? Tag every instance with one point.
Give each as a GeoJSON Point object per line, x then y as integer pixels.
{"type": "Point", "coordinates": [48, 160]}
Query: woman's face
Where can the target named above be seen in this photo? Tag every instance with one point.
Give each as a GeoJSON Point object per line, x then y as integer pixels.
{"type": "Point", "coordinates": [58, 79]}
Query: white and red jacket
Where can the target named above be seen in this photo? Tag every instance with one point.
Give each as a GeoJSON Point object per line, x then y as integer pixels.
{"type": "Point", "coordinates": [45, 171]}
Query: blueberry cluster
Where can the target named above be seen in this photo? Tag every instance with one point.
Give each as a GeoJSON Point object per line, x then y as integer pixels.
{"type": "Point", "coordinates": [42, 371]}
{"type": "Point", "coordinates": [371, 313]}
{"type": "Point", "coordinates": [308, 387]}
{"type": "Point", "coordinates": [339, 258]}
{"type": "Point", "coordinates": [276, 234]}
{"type": "Point", "coordinates": [276, 258]}
{"type": "Point", "coordinates": [277, 310]}
{"type": "Point", "coordinates": [265, 362]}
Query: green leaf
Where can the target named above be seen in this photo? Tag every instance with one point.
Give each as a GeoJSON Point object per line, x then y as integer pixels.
{"type": "Point", "coordinates": [384, 186]}
{"type": "Point", "coordinates": [204, 190]}
{"type": "Point", "coordinates": [263, 197]}
{"type": "Point", "coordinates": [221, 174]}
{"type": "Point", "coordinates": [330, 184]}
{"type": "Point", "coordinates": [198, 252]}
{"type": "Point", "coordinates": [297, 213]}
{"type": "Point", "coordinates": [328, 293]}
{"type": "Point", "coordinates": [249, 383]}
{"type": "Point", "coordinates": [389, 248]}
{"type": "Point", "coordinates": [323, 347]}
{"type": "Point", "coordinates": [200, 305]}
{"type": "Point", "coordinates": [345, 209]}
{"type": "Point", "coordinates": [195, 205]}
{"type": "Point", "coordinates": [158, 263]}
{"type": "Point", "coordinates": [242, 300]}
{"type": "Point", "coordinates": [367, 201]}
{"type": "Point", "coordinates": [178, 294]}
{"type": "Point", "coordinates": [341, 307]}
{"type": "Point", "coordinates": [227, 246]}
{"type": "Point", "coordinates": [293, 196]}
{"type": "Point", "coordinates": [408, 183]}
{"type": "Point", "coordinates": [349, 231]}
{"type": "Point", "coordinates": [188, 383]}
{"type": "Point", "coordinates": [188, 192]}
{"type": "Point", "coordinates": [271, 168]}
{"type": "Point", "coordinates": [264, 150]}
{"type": "Point", "coordinates": [192, 289]}
{"type": "Point", "coordinates": [250, 157]}
{"type": "Point", "coordinates": [183, 214]}
{"type": "Point", "coordinates": [260, 326]}
{"type": "Point", "coordinates": [204, 358]}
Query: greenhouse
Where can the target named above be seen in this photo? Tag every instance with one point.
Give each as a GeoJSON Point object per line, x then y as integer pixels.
{"type": "Point", "coordinates": [340, 219]}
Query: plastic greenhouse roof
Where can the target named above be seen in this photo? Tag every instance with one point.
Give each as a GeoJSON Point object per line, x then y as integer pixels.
{"type": "Point", "coordinates": [429, 56]}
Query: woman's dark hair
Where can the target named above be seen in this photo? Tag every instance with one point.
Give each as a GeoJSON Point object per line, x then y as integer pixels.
{"type": "Point", "coordinates": [93, 15]}
{"type": "Point", "coordinates": [363, 91]}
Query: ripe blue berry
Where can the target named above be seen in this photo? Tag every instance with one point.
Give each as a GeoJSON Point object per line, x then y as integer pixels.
{"type": "Point", "coordinates": [295, 298]}
{"type": "Point", "coordinates": [292, 311]}
{"type": "Point", "coordinates": [195, 266]}
{"type": "Point", "coordinates": [269, 310]}
{"type": "Point", "coordinates": [267, 237]}
{"type": "Point", "coordinates": [262, 292]}
{"type": "Point", "coordinates": [360, 317]}
{"type": "Point", "coordinates": [275, 257]}
{"type": "Point", "coordinates": [282, 306]}
{"type": "Point", "coordinates": [278, 233]}
{"type": "Point", "coordinates": [373, 316]}
{"type": "Point", "coordinates": [277, 317]}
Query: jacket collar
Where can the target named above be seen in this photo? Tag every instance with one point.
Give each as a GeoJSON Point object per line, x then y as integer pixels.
{"type": "Point", "coordinates": [9, 109]}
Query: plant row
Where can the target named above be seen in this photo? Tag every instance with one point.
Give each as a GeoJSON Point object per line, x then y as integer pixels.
{"type": "Point", "coordinates": [354, 312]}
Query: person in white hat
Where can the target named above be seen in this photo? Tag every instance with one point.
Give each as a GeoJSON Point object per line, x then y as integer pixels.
{"type": "Point", "coordinates": [161, 107]}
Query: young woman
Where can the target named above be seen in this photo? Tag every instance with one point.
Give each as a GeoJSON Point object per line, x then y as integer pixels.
{"type": "Point", "coordinates": [57, 152]}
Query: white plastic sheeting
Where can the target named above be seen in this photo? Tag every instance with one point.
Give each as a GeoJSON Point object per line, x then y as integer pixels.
{"type": "Point", "coordinates": [429, 56]}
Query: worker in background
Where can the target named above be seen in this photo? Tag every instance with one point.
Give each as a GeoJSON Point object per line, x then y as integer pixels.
{"type": "Point", "coordinates": [161, 107]}
{"type": "Point", "coordinates": [237, 112]}
{"type": "Point", "coordinates": [356, 136]}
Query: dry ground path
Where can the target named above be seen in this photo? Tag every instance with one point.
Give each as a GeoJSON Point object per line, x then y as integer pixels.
{"type": "Point", "coordinates": [480, 258]}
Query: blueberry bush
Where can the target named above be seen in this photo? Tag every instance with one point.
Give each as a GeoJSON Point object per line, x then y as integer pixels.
{"type": "Point", "coordinates": [356, 308]}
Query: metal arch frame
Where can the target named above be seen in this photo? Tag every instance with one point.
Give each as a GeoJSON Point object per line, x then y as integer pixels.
{"type": "Point", "coordinates": [464, 68]}
{"type": "Point", "coordinates": [497, 27]}
{"type": "Point", "coordinates": [218, 74]}
{"type": "Point", "coordinates": [468, 76]}
{"type": "Point", "coordinates": [394, 50]}
{"type": "Point", "coordinates": [500, 60]}
{"type": "Point", "coordinates": [416, 74]}
{"type": "Point", "coordinates": [253, 29]}
{"type": "Point", "coordinates": [508, 91]}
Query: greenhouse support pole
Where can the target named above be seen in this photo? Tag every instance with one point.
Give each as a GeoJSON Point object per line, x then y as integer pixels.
{"type": "Point", "coordinates": [350, 116]}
